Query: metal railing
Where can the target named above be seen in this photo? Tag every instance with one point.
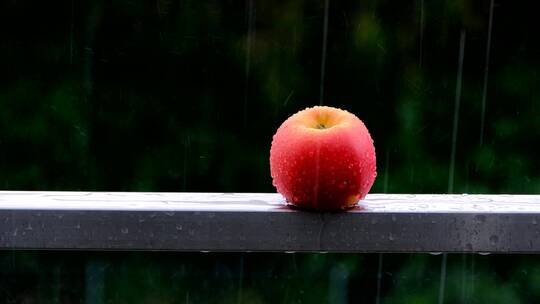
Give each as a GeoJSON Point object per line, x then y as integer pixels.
{"type": "Point", "coordinates": [262, 222]}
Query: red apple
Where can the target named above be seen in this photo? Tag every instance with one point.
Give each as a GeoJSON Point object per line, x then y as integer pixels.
{"type": "Point", "coordinates": [323, 158]}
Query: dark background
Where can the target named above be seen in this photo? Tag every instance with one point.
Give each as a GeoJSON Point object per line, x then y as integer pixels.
{"type": "Point", "coordinates": [174, 95]}
{"type": "Point", "coordinates": [186, 95]}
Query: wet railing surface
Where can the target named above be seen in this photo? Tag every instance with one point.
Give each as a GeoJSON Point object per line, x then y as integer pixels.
{"type": "Point", "coordinates": [263, 222]}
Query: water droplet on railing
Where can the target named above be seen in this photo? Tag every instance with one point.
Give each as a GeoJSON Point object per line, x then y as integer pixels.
{"type": "Point", "coordinates": [480, 218]}
{"type": "Point", "coordinates": [484, 253]}
{"type": "Point", "coordinates": [435, 253]}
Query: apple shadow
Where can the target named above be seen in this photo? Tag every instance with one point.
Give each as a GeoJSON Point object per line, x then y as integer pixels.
{"type": "Point", "coordinates": [353, 208]}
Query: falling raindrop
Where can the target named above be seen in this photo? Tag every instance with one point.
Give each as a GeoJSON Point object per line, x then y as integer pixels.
{"type": "Point", "coordinates": [386, 169]}
{"type": "Point", "coordinates": [323, 53]}
{"type": "Point", "coordinates": [456, 112]}
{"type": "Point", "coordinates": [471, 284]}
{"type": "Point", "coordinates": [379, 278]}
{"type": "Point", "coordinates": [442, 283]}
{"type": "Point", "coordinates": [71, 26]}
{"type": "Point", "coordinates": [95, 282]}
{"type": "Point", "coordinates": [250, 8]}
{"type": "Point", "coordinates": [463, 276]}
{"type": "Point", "coordinates": [486, 73]}
{"type": "Point", "coordinates": [421, 33]}
{"type": "Point", "coordinates": [187, 144]}
{"type": "Point", "coordinates": [240, 279]}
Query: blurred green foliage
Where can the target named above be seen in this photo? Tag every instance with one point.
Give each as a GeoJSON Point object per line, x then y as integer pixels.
{"type": "Point", "coordinates": [152, 277]}
{"type": "Point", "coordinates": [185, 96]}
